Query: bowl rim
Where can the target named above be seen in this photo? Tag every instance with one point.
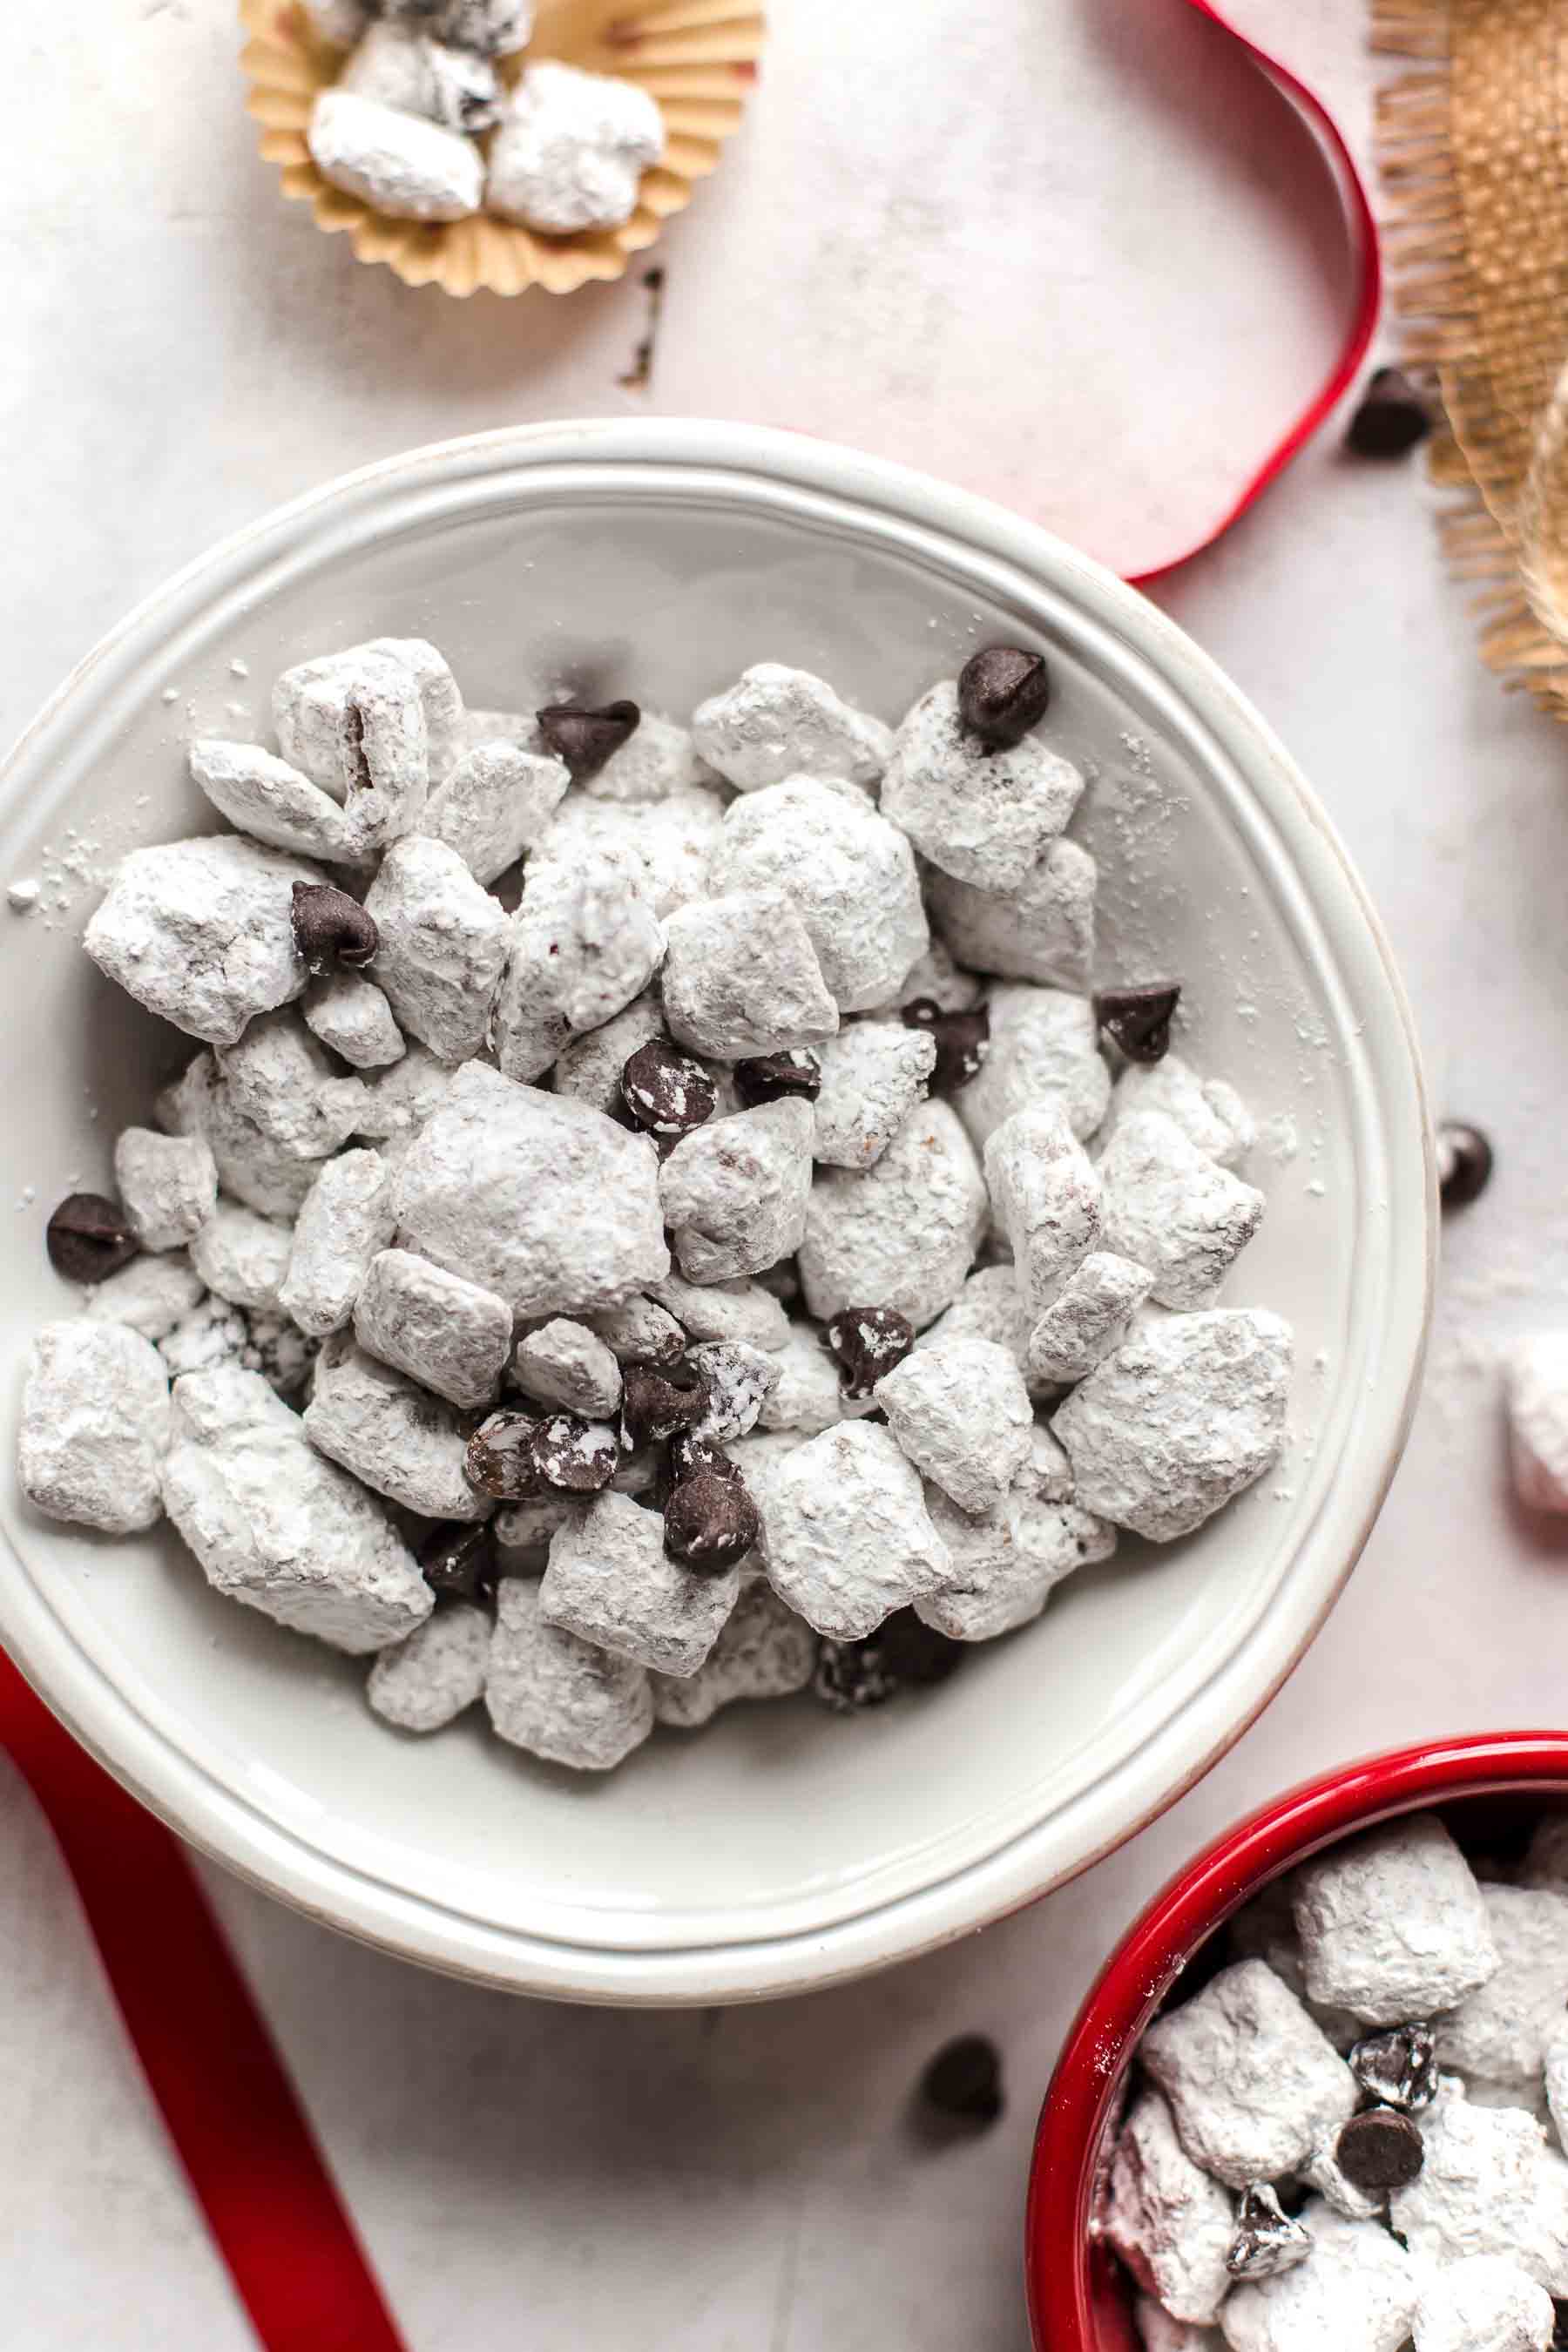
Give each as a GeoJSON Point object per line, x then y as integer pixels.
{"type": "Point", "coordinates": [1201, 1896]}
{"type": "Point", "coordinates": [796, 474]}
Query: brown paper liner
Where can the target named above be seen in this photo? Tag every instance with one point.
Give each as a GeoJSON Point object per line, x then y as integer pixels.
{"type": "Point", "coordinates": [1473, 150]}
{"type": "Point", "coordinates": [696, 58]}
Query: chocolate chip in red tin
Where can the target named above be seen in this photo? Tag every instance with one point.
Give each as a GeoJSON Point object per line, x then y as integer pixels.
{"type": "Point", "coordinates": [1392, 418]}
{"type": "Point", "coordinates": [585, 739]}
{"type": "Point", "coordinates": [655, 1404]}
{"type": "Point", "coordinates": [963, 2082]}
{"type": "Point", "coordinates": [771, 1076]}
{"type": "Point", "coordinates": [1138, 1019]}
{"type": "Point", "coordinates": [1398, 2067]}
{"type": "Point", "coordinates": [500, 1457]}
{"type": "Point", "coordinates": [1464, 1164]}
{"type": "Point", "coordinates": [866, 1342]}
{"type": "Point", "coordinates": [458, 1561]}
{"type": "Point", "coordinates": [331, 931]}
{"type": "Point", "coordinates": [1267, 2241]}
{"type": "Point", "coordinates": [1003, 692]}
{"type": "Point", "coordinates": [709, 1521]}
{"type": "Point", "coordinates": [88, 1238]}
{"type": "Point", "coordinates": [575, 1456]}
{"type": "Point", "coordinates": [1379, 2151]}
{"type": "Point", "coordinates": [902, 1655]}
{"type": "Point", "coordinates": [688, 1456]}
{"type": "Point", "coordinates": [665, 1091]}
{"type": "Point", "coordinates": [963, 1041]}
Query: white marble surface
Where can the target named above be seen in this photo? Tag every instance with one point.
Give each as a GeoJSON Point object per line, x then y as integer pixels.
{"type": "Point", "coordinates": [180, 352]}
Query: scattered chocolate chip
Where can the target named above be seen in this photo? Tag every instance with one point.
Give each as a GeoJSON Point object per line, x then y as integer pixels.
{"type": "Point", "coordinates": [500, 1459]}
{"type": "Point", "coordinates": [688, 1456]}
{"type": "Point", "coordinates": [1138, 1019]}
{"type": "Point", "coordinates": [1003, 691]}
{"type": "Point", "coordinates": [459, 1560]}
{"type": "Point", "coordinates": [710, 1520]}
{"type": "Point", "coordinates": [575, 1456]}
{"type": "Point", "coordinates": [902, 1655]}
{"type": "Point", "coordinates": [333, 931]}
{"type": "Point", "coordinates": [771, 1076]}
{"type": "Point", "coordinates": [1267, 2241]}
{"type": "Point", "coordinates": [963, 1041]}
{"type": "Point", "coordinates": [1560, 2334]}
{"type": "Point", "coordinates": [866, 1342]}
{"type": "Point", "coordinates": [585, 739]}
{"type": "Point", "coordinates": [665, 1091]}
{"type": "Point", "coordinates": [1464, 1164]}
{"type": "Point", "coordinates": [964, 2081]}
{"type": "Point", "coordinates": [88, 1239]}
{"type": "Point", "coordinates": [655, 1404]}
{"type": "Point", "coordinates": [1392, 418]}
{"type": "Point", "coordinates": [1379, 2151]}
{"type": "Point", "coordinates": [1398, 2067]}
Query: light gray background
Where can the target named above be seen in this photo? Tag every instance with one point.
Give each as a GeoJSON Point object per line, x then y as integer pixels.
{"type": "Point", "coordinates": [1061, 250]}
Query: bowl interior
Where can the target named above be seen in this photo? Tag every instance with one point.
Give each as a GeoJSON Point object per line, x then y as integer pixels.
{"type": "Point", "coordinates": [781, 1846]}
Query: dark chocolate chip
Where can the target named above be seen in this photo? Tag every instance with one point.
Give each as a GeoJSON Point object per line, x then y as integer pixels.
{"type": "Point", "coordinates": [333, 931]}
{"type": "Point", "coordinates": [88, 1238]}
{"type": "Point", "coordinates": [1379, 2151]}
{"type": "Point", "coordinates": [866, 1342]}
{"type": "Point", "coordinates": [709, 1521]}
{"type": "Point", "coordinates": [1138, 1019]}
{"type": "Point", "coordinates": [902, 1655]}
{"type": "Point", "coordinates": [1560, 2334]}
{"type": "Point", "coordinates": [771, 1076]}
{"type": "Point", "coordinates": [690, 1454]}
{"type": "Point", "coordinates": [1392, 418]}
{"type": "Point", "coordinates": [459, 1560]}
{"type": "Point", "coordinates": [1003, 691]}
{"type": "Point", "coordinates": [1267, 2241]}
{"type": "Point", "coordinates": [665, 1091]}
{"type": "Point", "coordinates": [500, 1457]}
{"type": "Point", "coordinates": [655, 1404]}
{"type": "Point", "coordinates": [963, 1041]}
{"type": "Point", "coordinates": [573, 1456]}
{"type": "Point", "coordinates": [1398, 2067]}
{"type": "Point", "coordinates": [1464, 1164]}
{"type": "Point", "coordinates": [964, 2081]}
{"type": "Point", "coordinates": [585, 739]}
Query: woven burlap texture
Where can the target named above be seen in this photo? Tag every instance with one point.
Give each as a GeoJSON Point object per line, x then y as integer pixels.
{"type": "Point", "coordinates": [1472, 141]}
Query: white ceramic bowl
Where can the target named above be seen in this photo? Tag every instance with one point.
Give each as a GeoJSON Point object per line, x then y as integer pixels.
{"type": "Point", "coordinates": [784, 1848]}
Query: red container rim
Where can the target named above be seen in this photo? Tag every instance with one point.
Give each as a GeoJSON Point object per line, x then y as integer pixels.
{"type": "Point", "coordinates": [1145, 1965]}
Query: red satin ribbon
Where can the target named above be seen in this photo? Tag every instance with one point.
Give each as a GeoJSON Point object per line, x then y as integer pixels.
{"type": "Point", "coordinates": [231, 2113]}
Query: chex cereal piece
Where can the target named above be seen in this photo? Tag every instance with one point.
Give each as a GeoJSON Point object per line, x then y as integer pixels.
{"type": "Point", "coordinates": [280, 1078]}
{"type": "Point", "coordinates": [658, 760]}
{"type": "Point", "coordinates": [349, 1014]}
{"type": "Point", "coordinates": [243, 1257]}
{"type": "Point", "coordinates": [1265, 1930]}
{"type": "Point", "coordinates": [401, 166]}
{"type": "Point", "coordinates": [1546, 1856]}
{"type": "Point", "coordinates": [1170, 2224]}
{"type": "Point", "coordinates": [263, 796]}
{"type": "Point", "coordinates": [1045, 1195]}
{"type": "Point", "coordinates": [268, 1176]}
{"type": "Point", "coordinates": [425, 1682]}
{"type": "Point", "coordinates": [496, 803]}
{"type": "Point", "coordinates": [1089, 1318]}
{"type": "Point", "coordinates": [537, 1197]}
{"type": "Point", "coordinates": [981, 812]}
{"type": "Point", "coordinates": [1357, 2291]}
{"type": "Point", "coordinates": [444, 944]}
{"type": "Point", "coordinates": [1187, 1413]}
{"type": "Point", "coordinates": [149, 1296]}
{"type": "Point", "coordinates": [441, 700]}
{"type": "Point", "coordinates": [491, 28]}
{"type": "Point", "coordinates": [1158, 2332]}
{"type": "Point", "coordinates": [740, 1379]}
{"type": "Point", "coordinates": [1210, 1114]}
{"type": "Point", "coordinates": [1535, 1374]}
{"type": "Point", "coordinates": [371, 726]}
{"type": "Point", "coordinates": [763, 1651]}
{"type": "Point", "coordinates": [1497, 2034]}
{"type": "Point", "coordinates": [584, 943]}
{"type": "Point", "coordinates": [1006, 1566]}
{"type": "Point", "coordinates": [590, 1067]}
{"type": "Point", "coordinates": [391, 1433]}
{"type": "Point", "coordinates": [610, 1580]}
{"type": "Point", "coordinates": [338, 22]}
{"type": "Point", "coordinates": [277, 1525]}
{"type": "Point", "coordinates": [1041, 930]}
{"type": "Point", "coordinates": [741, 978]}
{"type": "Point", "coordinates": [808, 1396]}
{"type": "Point", "coordinates": [167, 1185]}
{"type": "Point", "coordinates": [902, 1232]}
{"type": "Point", "coordinates": [95, 1426]}
{"type": "Point", "coordinates": [572, 150]}
{"type": "Point", "coordinates": [1045, 1043]}
{"type": "Point", "coordinates": [640, 1331]}
{"type": "Point", "coordinates": [1170, 1208]}
{"type": "Point", "coordinates": [669, 843]}
{"type": "Point", "coordinates": [529, 1525]}
{"type": "Point", "coordinates": [346, 1219]}
{"type": "Point", "coordinates": [561, 1699]}
{"type": "Point", "coordinates": [201, 932]}
{"type": "Point", "coordinates": [452, 1335]}
{"type": "Point", "coordinates": [776, 723]}
{"type": "Point", "coordinates": [723, 1310]}
{"type": "Point", "coordinates": [400, 1099]}
{"type": "Point", "coordinates": [734, 1192]}
{"type": "Point", "coordinates": [1392, 1925]}
{"type": "Point", "coordinates": [1484, 2305]}
{"type": "Point", "coordinates": [872, 1076]}
{"type": "Point", "coordinates": [1252, 2083]}
{"type": "Point", "coordinates": [1489, 2185]}
{"type": "Point", "coordinates": [566, 1364]}
{"type": "Point", "coordinates": [847, 1537]}
{"type": "Point", "coordinates": [849, 872]}
{"type": "Point", "coordinates": [989, 1306]}
{"type": "Point", "coordinates": [961, 1413]}
{"type": "Point", "coordinates": [398, 65]}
